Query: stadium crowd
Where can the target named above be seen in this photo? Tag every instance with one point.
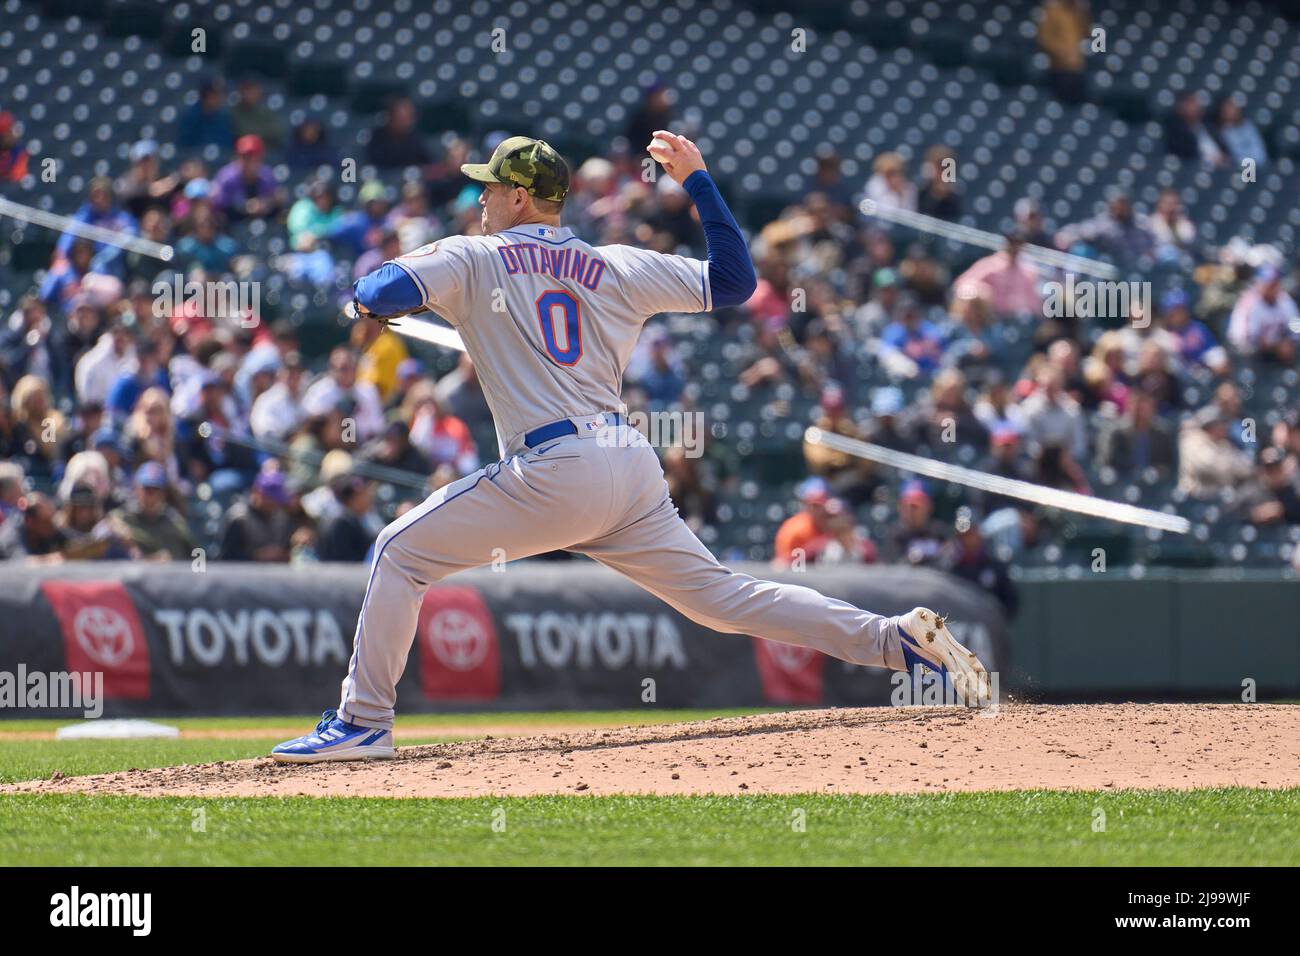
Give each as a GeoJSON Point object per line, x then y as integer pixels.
{"type": "Point", "coordinates": [120, 406]}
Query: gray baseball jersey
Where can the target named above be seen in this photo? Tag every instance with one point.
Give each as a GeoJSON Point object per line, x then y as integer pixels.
{"type": "Point", "coordinates": [549, 320]}
{"type": "Point", "coordinates": [550, 323]}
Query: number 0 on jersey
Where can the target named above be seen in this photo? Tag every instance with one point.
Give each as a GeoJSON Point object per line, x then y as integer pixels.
{"type": "Point", "coordinates": [559, 300]}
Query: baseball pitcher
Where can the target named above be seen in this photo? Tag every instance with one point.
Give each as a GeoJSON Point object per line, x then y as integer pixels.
{"type": "Point", "coordinates": [550, 323]}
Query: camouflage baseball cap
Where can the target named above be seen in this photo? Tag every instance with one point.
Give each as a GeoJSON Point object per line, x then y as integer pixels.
{"type": "Point", "coordinates": [526, 162]}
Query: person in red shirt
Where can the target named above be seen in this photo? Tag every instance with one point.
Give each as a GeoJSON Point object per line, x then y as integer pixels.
{"type": "Point", "coordinates": [13, 155]}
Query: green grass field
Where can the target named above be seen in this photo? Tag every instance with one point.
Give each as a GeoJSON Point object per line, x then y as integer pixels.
{"type": "Point", "coordinates": [1199, 827]}
{"type": "Point", "coordinates": [1237, 827]}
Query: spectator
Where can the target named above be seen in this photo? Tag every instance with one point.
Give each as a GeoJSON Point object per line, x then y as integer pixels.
{"type": "Point", "coordinates": [144, 187]}
{"type": "Point", "coordinates": [844, 541]}
{"type": "Point", "coordinates": [1118, 233]}
{"type": "Point", "coordinates": [86, 536]}
{"type": "Point", "coordinates": [997, 409]}
{"type": "Point", "coordinates": [1191, 339]}
{"type": "Point", "coordinates": [1010, 283]}
{"type": "Point", "coordinates": [887, 427]}
{"type": "Point", "coordinates": [395, 143]}
{"type": "Point", "coordinates": [1264, 322]}
{"type": "Point", "coordinates": [674, 217]}
{"type": "Point", "coordinates": [878, 311]}
{"type": "Point", "coordinates": [138, 266]}
{"type": "Point", "coordinates": [972, 340]}
{"type": "Point", "coordinates": [245, 187]}
{"type": "Point", "coordinates": [1240, 138]}
{"type": "Point", "coordinates": [1187, 136]}
{"type": "Point", "coordinates": [39, 534]}
{"type": "Point", "coordinates": [348, 532]}
{"type": "Point", "coordinates": [63, 281]}
{"type": "Point", "coordinates": [1139, 440]}
{"type": "Point", "coordinates": [393, 449]}
{"type": "Point", "coordinates": [205, 247]}
{"type": "Point", "coordinates": [914, 339]}
{"type": "Point", "coordinates": [461, 395]}
{"type": "Point", "coordinates": [205, 453]}
{"type": "Point", "coordinates": [1209, 464]}
{"type": "Point", "coordinates": [1053, 420]}
{"type": "Point", "coordinates": [153, 528]}
{"type": "Point", "coordinates": [13, 154]}
{"type": "Point", "coordinates": [100, 209]}
{"type": "Point", "coordinates": [207, 122]}
{"type": "Point", "coordinates": [150, 371]}
{"type": "Point", "coordinates": [660, 376]}
{"type": "Point", "coordinates": [805, 527]}
{"type": "Point", "coordinates": [847, 476]}
{"type": "Point", "coordinates": [389, 248]}
{"type": "Point", "coordinates": [889, 186]}
{"type": "Point", "coordinates": [252, 117]}
{"type": "Point", "coordinates": [916, 538]}
{"type": "Point", "coordinates": [947, 417]}
{"type": "Point", "coordinates": [362, 229]}
{"type": "Point", "coordinates": [1062, 30]}
{"type": "Point", "coordinates": [830, 182]}
{"type": "Point", "coordinates": [1173, 230]}
{"type": "Point", "coordinates": [309, 146]}
{"type": "Point", "coordinates": [259, 528]}
{"type": "Point", "coordinates": [99, 369]}
{"type": "Point", "coordinates": [12, 489]}
{"type": "Point", "coordinates": [1006, 460]}
{"type": "Point", "coordinates": [443, 438]}
{"type": "Point", "coordinates": [967, 557]}
{"type": "Point", "coordinates": [939, 196]}
{"type": "Point", "coordinates": [1029, 223]}
{"type": "Point", "coordinates": [25, 344]}
{"type": "Point", "coordinates": [654, 113]}
{"type": "Point", "coordinates": [150, 433]}
{"type": "Point", "coordinates": [1281, 495]}
{"type": "Point", "coordinates": [382, 352]}
{"type": "Point", "coordinates": [340, 383]}
{"type": "Point", "coordinates": [313, 217]}
{"type": "Point", "coordinates": [412, 221]}
{"type": "Point", "coordinates": [277, 412]}
{"type": "Point", "coordinates": [689, 488]}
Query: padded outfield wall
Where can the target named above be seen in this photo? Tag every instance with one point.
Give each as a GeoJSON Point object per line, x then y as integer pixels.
{"type": "Point", "coordinates": [243, 639]}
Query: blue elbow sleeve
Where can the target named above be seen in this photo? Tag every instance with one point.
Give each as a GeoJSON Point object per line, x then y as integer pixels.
{"type": "Point", "coordinates": [389, 290]}
{"type": "Point", "coordinates": [731, 272]}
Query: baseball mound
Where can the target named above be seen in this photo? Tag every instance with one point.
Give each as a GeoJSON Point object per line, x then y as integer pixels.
{"type": "Point", "coordinates": [869, 750]}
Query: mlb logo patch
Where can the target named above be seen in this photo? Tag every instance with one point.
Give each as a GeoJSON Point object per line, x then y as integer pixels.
{"type": "Point", "coordinates": [547, 232]}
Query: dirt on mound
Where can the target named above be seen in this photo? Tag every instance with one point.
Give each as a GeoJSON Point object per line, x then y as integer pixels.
{"type": "Point", "coordinates": [870, 750]}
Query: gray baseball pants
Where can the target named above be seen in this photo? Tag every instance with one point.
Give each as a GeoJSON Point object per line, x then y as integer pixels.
{"type": "Point", "coordinates": [601, 494]}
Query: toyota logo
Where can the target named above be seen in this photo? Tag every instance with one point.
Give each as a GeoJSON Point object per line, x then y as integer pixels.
{"type": "Point", "coordinates": [457, 639]}
{"type": "Point", "coordinates": [104, 635]}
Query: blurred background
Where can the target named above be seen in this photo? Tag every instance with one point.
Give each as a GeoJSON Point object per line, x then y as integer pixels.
{"type": "Point", "coordinates": [293, 147]}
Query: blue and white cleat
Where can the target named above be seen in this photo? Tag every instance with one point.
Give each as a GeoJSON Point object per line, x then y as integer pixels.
{"type": "Point", "coordinates": [926, 640]}
{"type": "Point", "coordinates": [335, 739]}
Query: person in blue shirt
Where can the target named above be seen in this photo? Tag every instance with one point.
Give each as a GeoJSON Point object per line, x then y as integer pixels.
{"type": "Point", "coordinates": [150, 372]}
{"type": "Point", "coordinates": [361, 230]}
{"type": "Point", "coordinates": [100, 209]}
{"type": "Point", "coordinates": [914, 336]}
{"type": "Point", "coordinates": [207, 122]}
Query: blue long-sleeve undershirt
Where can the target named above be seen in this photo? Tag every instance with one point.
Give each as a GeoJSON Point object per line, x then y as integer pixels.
{"type": "Point", "coordinates": [731, 272]}
{"type": "Point", "coordinates": [389, 290]}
